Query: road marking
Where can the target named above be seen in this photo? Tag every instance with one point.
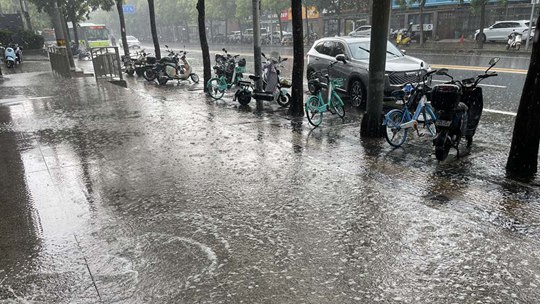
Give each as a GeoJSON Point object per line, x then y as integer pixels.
{"type": "Point", "coordinates": [477, 68]}
{"type": "Point", "coordinates": [500, 112]}
{"type": "Point", "coordinates": [482, 85]}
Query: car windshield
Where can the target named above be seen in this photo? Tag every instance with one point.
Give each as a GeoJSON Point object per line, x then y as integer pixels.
{"type": "Point", "coordinates": [360, 50]}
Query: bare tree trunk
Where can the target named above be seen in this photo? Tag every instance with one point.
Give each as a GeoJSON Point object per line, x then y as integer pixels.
{"type": "Point", "coordinates": [297, 99]}
{"type": "Point", "coordinates": [73, 19]}
{"type": "Point", "coordinates": [371, 122]}
{"type": "Point", "coordinates": [153, 28]}
{"type": "Point", "coordinates": [482, 24]}
{"type": "Point", "coordinates": [422, 23]}
{"type": "Point", "coordinates": [523, 157]}
{"type": "Point", "coordinates": [204, 43]}
{"type": "Point", "coordinates": [280, 26]}
{"type": "Point", "coordinates": [123, 34]}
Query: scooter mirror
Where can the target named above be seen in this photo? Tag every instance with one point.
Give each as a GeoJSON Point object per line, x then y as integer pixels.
{"type": "Point", "coordinates": [442, 72]}
{"type": "Point", "coordinates": [494, 60]}
{"type": "Point", "coordinates": [166, 46]}
{"type": "Point", "coordinates": [224, 50]}
{"type": "Point", "coordinates": [262, 54]}
{"type": "Point", "coordinates": [285, 59]}
{"type": "Point", "coordinates": [342, 58]}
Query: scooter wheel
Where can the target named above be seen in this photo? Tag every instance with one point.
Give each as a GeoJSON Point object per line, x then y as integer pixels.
{"type": "Point", "coordinates": [194, 77]}
{"type": "Point", "coordinates": [130, 72]}
{"type": "Point", "coordinates": [284, 100]}
{"type": "Point", "coordinates": [243, 96]}
{"type": "Point", "coordinates": [9, 64]}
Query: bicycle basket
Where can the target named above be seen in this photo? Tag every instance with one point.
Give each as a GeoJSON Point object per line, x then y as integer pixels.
{"type": "Point", "coordinates": [314, 85]}
{"type": "Point", "coordinates": [151, 60]}
{"type": "Point", "coordinates": [337, 83]}
{"type": "Point", "coordinates": [242, 62]}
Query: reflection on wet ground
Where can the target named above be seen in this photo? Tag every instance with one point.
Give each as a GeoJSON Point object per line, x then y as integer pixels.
{"type": "Point", "coordinates": [159, 195]}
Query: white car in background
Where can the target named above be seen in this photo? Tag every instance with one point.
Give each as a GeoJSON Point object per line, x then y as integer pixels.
{"type": "Point", "coordinates": [362, 31]}
{"type": "Point", "coordinates": [500, 30]}
{"type": "Point", "coordinates": [133, 42]}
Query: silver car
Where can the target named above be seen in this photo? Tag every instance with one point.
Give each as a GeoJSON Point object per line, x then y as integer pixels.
{"type": "Point", "coordinates": [400, 68]}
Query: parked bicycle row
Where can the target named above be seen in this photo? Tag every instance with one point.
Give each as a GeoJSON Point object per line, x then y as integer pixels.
{"type": "Point", "coordinates": [447, 112]}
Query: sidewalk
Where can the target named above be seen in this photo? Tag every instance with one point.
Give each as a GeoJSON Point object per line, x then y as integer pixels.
{"type": "Point", "coordinates": [160, 195]}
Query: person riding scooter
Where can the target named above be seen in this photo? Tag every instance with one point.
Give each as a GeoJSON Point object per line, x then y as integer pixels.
{"type": "Point", "coordinates": [514, 40]}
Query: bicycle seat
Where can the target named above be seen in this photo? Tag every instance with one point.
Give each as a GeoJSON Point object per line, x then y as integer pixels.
{"type": "Point", "coordinates": [254, 78]}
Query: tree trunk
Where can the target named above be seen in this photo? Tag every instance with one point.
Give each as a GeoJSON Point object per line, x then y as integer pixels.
{"type": "Point", "coordinates": [257, 48]}
{"type": "Point", "coordinates": [307, 24]}
{"type": "Point", "coordinates": [482, 24]}
{"type": "Point", "coordinates": [297, 99]}
{"type": "Point", "coordinates": [211, 30]}
{"type": "Point", "coordinates": [422, 22]}
{"type": "Point", "coordinates": [371, 122]}
{"type": "Point", "coordinates": [24, 11]}
{"type": "Point", "coordinates": [73, 19]}
{"type": "Point", "coordinates": [153, 28]}
{"type": "Point", "coordinates": [523, 157]}
{"type": "Point", "coordinates": [240, 29]}
{"type": "Point", "coordinates": [280, 26]}
{"type": "Point", "coordinates": [68, 48]}
{"type": "Point", "coordinates": [204, 43]}
{"type": "Point", "coordinates": [123, 34]}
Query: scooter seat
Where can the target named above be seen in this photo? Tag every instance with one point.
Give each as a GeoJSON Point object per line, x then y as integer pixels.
{"type": "Point", "coordinates": [254, 78]}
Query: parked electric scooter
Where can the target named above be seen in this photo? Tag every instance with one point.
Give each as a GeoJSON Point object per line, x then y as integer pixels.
{"type": "Point", "coordinates": [12, 55]}
{"type": "Point", "coordinates": [272, 83]}
{"type": "Point", "coordinates": [514, 41]}
{"type": "Point", "coordinates": [170, 68]}
{"type": "Point", "coordinates": [458, 106]}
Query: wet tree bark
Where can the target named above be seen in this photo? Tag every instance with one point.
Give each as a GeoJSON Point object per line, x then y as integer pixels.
{"type": "Point", "coordinates": [120, 10]}
{"type": "Point", "coordinates": [204, 43]}
{"type": "Point", "coordinates": [153, 28]}
{"type": "Point", "coordinates": [371, 122]}
{"type": "Point", "coordinates": [482, 24]}
{"type": "Point", "coordinates": [280, 26]}
{"type": "Point", "coordinates": [73, 19]}
{"type": "Point", "coordinates": [297, 99]}
{"type": "Point", "coordinates": [422, 4]}
{"type": "Point", "coordinates": [523, 157]}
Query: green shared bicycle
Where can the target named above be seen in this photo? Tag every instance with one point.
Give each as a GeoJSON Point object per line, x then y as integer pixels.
{"type": "Point", "coordinates": [229, 71]}
{"type": "Point", "coordinates": [315, 104]}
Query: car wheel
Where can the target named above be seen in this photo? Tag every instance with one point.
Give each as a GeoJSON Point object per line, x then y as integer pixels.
{"type": "Point", "coordinates": [481, 37]}
{"type": "Point", "coordinates": [357, 92]}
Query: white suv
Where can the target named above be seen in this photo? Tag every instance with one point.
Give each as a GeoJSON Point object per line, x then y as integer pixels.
{"type": "Point", "coordinates": [500, 30]}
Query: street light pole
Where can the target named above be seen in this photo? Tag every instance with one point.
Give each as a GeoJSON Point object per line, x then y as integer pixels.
{"type": "Point", "coordinates": [530, 24]}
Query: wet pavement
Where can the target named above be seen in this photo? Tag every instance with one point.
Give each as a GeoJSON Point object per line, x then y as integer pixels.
{"type": "Point", "coordinates": [160, 195]}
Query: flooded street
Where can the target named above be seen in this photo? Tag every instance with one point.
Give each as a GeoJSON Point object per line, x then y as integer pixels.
{"type": "Point", "coordinates": [157, 194]}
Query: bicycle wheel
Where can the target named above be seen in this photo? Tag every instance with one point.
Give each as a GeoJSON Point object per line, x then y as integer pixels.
{"type": "Point", "coordinates": [337, 107]}
{"type": "Point", "coordinates": [313, 114]}
{"type": "Point", "coordinates": [394, 134]}
{"type": "Point", "coordinates": [429, 123]}
{"type": "Point", "coordinates": [214, 89]}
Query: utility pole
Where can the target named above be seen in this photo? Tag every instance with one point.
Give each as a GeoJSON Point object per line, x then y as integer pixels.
{"type": "Point", "coordinates": [530, 23]}
{"type": "Point", "coordinates": [371, 122]}
{"type": "Point", "coordinates": [257, 48]}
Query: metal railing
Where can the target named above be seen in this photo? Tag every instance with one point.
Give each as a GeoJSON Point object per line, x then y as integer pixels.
{"type": "Point", "coordinates": [107, 65]}
{"type": "Point", "coordinates": [59, 60]}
